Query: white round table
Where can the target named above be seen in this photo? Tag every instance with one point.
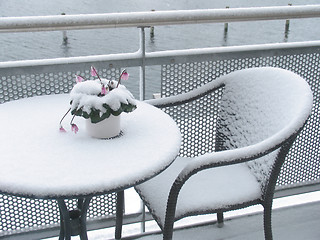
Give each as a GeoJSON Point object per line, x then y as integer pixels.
{"type": "Point", "coordinates": [39, 161]}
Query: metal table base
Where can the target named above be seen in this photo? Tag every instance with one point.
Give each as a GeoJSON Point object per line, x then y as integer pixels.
{"type": "Point", "coordinates": [73, 222]}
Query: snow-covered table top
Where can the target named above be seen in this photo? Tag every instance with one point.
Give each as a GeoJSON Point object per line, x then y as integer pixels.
{"type": "Point", "coordinates": [37, 160]}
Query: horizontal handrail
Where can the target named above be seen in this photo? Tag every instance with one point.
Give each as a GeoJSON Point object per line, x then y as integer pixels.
{"type": "Point", "coordinates": [153, 58]}
{"type": "Point", "coordinates": [154, 18]}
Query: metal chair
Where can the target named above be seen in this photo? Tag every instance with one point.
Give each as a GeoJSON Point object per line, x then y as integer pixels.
{"type": "Point", "coordinates": [261, 112]}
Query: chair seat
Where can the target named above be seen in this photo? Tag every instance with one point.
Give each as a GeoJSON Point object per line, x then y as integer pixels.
{"type": "Point", "coordinates": [234, 183]}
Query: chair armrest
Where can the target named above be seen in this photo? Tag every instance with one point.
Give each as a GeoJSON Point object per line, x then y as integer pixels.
{"type": "Point", "coordinates": [234, 156]}
{"type": "Point", "coordinates": [188, 96]}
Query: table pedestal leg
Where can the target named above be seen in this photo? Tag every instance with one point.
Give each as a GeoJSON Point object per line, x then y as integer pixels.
{"type": "Point", "coordinates": [73, 222]}
{"type": "Point", "coordinates": [119, 214]}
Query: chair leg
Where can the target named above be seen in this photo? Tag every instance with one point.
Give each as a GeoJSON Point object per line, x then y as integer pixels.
{"type": "Point", "coordinates": [220, 219]}
{"type": "Point", "coordinates": [168, 232]}
{"type": "Point", "coordinates": [267, 222]}
{"type": "Point", "coordinates": [168, 226]}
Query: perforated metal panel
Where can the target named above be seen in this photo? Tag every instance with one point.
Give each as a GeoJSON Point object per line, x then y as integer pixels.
{"type": "Point", "coordinates": [15, 86]}
{"type": "Point", "coordinates": [24, 213]}
{"type": "Point", "coordinates": [302, 161]}
{"type": "Point", "coordinates": [21, 214]}
{"type": "Point", "coordinates": [196, 120]}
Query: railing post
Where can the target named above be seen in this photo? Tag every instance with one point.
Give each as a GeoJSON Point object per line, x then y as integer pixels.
{"type": "Point", "coordinates": [142, 51]}
{"type": "Point", "coordinates": [64, 34]}
{"type": "Point", "coordinates": [142, 92]}
{"type": "Point", "coordinates": [143, 220]}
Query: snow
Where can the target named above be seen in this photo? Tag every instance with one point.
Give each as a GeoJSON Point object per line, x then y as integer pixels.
{"type": "Point", "coordinates": [37, 159]}
{"type": "Point", "coordinates": [235, 185]}
{"type": "Point", "coordinates": [286, 107]}
{"type": "Point", "coordinates": [143, 130]}
{"type": "Point", "coordinates": [260, 108]}
{"type": "Point", "coordinates": [85, 95]}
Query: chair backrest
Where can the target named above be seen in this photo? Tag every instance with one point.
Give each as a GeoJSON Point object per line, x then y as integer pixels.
{"type": "Point", "coordinates": [256, 104]}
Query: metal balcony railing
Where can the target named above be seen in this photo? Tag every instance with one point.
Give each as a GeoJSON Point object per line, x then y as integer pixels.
{"type": "Point", "coordinates": [180, 71]}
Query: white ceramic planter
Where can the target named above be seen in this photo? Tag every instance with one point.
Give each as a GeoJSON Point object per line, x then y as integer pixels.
{"type": "Point", "coordinates": [107, 128]}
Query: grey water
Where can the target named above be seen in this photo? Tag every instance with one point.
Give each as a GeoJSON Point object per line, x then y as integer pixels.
{"type": "Point", "coordinates": [38, 45]}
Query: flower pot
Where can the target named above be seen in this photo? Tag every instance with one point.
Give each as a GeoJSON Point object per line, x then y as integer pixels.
{"type": "Point", "coordinates": [107, 128]}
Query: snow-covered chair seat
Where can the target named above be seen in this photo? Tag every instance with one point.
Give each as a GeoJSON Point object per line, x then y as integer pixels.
{"type": "Point", "coordinates": [261, 112]}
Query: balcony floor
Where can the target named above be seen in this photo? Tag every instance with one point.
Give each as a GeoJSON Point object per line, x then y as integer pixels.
{"type": "Point", "coordinates": [294, 223]}
{"type": "Point", "coordinates": [295, 218]}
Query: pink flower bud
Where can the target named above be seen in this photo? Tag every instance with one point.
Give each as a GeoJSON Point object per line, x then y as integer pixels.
{"type": "Point", "coordinates": [125, 76]}
{"type": "Point", "coordinates": [103, 91]}
{"type": "Point", "coordinates": [74, 128]}
{"type": "Point", "coordinates": [79, 79]}
{"type": "Point", "coordinates": [93, 72]}
{"type": "Point", "coordinates": [61, 129]}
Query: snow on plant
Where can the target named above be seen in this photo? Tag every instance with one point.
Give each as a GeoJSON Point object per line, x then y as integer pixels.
{"type": "Point", "coordinates": [99, 98]}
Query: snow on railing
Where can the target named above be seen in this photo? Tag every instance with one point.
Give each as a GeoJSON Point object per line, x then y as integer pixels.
{"type": "Point", "coordinates": [154, 18]}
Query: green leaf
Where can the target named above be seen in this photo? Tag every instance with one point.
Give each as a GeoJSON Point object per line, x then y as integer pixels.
{"type": "Point", "coordinates": [94, 116]}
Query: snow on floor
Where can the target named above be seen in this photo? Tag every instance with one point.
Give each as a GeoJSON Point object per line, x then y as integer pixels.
{"type": "Point", "coordinates": [294, 218]}
{"type": "Point", "coordinates": [288, 223]}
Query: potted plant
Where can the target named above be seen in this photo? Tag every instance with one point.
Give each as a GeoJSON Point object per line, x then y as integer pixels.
{"type": "Point", "coordinates": [100, 101]}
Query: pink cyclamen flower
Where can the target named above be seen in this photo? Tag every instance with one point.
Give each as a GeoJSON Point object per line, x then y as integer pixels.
{"type": "Point", "coordinates": [74, 128]}
{"type": "Point", "coordinates": [125, 76]}
{"type": "Point", "coordinates": [103, 91]}
{"type": "Point", "coordinates": [79, 79]}
{"type": "Point", "coordinates": [93, 72]}
{"type": "Point", "coordinates": [61, 129]}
